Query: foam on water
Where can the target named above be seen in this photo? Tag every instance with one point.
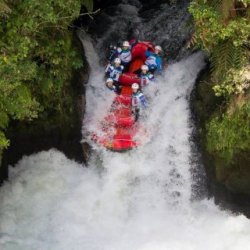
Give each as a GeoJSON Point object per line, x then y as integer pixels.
{"type": "Point", "coordinates": [139, 200]}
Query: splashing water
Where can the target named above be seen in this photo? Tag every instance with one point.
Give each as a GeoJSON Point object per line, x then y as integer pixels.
{"type": "Point", "coordinates": [139, 200]}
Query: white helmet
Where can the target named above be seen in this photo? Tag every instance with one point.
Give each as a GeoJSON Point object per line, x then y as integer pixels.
{"type": "Point", "coordinates": [125, 44]}
{"type": "Point", "coordinates": [117, 60]}
{"type": "Point", "coordinates": [157, 47]}
{"type": "Point", "coordinates": [144, 67]}
{"type": "Point", "coordinates": [109, 80]}
{"type": "Point", "coordinates": [135, 86]}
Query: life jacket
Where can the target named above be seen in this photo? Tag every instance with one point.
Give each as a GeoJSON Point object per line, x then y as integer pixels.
{"type": "Point", "coordinates": [153, 60]}
{"type": "Point", "coordinates": [124, 55]}
{"type": "Point", "coordinates": [114, 72]}
{"type": "Point", "coordinates": [146, 79]}
{"type": "Point", "coordinates": [138, 100]}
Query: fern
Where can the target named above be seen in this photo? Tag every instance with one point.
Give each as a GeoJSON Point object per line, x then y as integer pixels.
{"type": "Point", "coordinates": [238, 57]}
{"type": "Point", "coordinates": [225, 56]}
{"type": "Point", "coordinates": [215, 4]}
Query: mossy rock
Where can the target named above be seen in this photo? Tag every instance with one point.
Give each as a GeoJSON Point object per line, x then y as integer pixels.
{"type": "Point", "coordinates": [233, 171]}
{"type": "Point", "coordinates": [236, 174]}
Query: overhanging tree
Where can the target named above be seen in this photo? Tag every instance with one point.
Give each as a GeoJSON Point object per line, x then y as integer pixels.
{"type": "Point", "coordinates": [36, 57]}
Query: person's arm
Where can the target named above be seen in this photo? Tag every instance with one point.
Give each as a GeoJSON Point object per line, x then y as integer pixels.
{"type": "Point", "coordinates": [159, 64]}
{"type": "Point", "coordinates": [107, 70]}
{"type": "Point", "coordinates": [151, 77]}
{"type": "Point", "coordinates": [118, 89]}
{"type": "Point", "coordinates": [112, 53]}
{"type": "Point", "coordinates": [144, 81]}
{"type": "Point", "coordinates": [143, 100]}
{"type": "Point", "coordinates": [147, 53]}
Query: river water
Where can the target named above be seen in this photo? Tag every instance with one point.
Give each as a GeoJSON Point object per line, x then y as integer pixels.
{"type": "Point", "coordinates": [139, 200]}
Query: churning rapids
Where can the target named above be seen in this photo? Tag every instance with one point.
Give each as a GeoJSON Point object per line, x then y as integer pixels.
{"type": "Point", "coordinates": [139, 200]}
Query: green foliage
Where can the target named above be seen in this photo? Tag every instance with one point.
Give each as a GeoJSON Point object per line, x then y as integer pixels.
{"type": "Point", "coordinates": [229, 134]}
{"type": "Point", "coordinates": [36, 57]}
{"type": "Point", "coordinates": [236, 82]}
{"type": "Point", "coordinates": [3, 141]}
{"type": "Point", "coordinates": [223, 30]}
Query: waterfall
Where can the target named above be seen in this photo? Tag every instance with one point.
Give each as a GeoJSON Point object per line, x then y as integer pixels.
{"type": "Point", "coordinates": [137, 200]}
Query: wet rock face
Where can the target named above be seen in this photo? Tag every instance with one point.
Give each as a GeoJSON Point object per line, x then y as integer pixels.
{"type": "Point", "coordinates": [228, 182]}
{"type": "Point", "coordinates": [170, 27]}
{"type": "Point", "coordinates": [166, 23]}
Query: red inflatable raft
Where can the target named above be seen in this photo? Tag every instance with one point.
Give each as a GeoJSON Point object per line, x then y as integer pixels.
{"type": "Point", "coordinates": [118, 127]}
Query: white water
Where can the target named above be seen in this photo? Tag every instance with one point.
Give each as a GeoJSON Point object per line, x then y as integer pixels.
{"type": "Point", "coordinates": [138, 200]}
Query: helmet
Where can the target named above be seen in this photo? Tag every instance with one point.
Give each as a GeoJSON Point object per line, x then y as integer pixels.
{"type": "Point", "coordinates": [144, 67]}
{"type": "Point", "coordinates": [135, 86]}
{"type": "Point", "coordinates": [117, 60]}
{"type": "Point", "coordinates": [157, 47]}
{"type": "Point", "coordinates": [109, 80]}
{"type": "Point", "coordinates": [125, 44]}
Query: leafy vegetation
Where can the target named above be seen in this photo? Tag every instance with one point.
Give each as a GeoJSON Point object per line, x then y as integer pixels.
{"type": "Point", "coordinates": [36, 58]}
{"type": "Point", "coordinates": [223, 31]}
{"type": "Point", "coordinates": [230, 134]}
